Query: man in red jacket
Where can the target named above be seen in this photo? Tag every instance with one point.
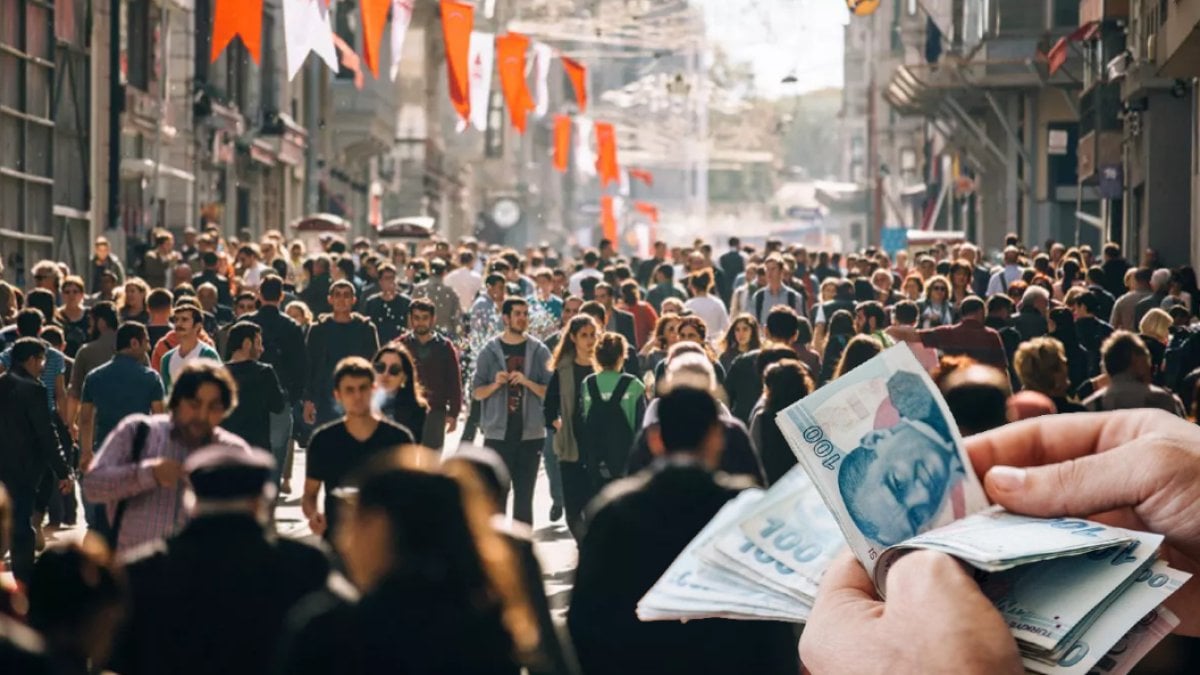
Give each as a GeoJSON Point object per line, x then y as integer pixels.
{"type": "Point", "coordinates": [437, 366]}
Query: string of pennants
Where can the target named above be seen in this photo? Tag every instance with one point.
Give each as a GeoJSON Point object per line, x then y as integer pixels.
{"type": "Point", "coordinates": [471, 57]}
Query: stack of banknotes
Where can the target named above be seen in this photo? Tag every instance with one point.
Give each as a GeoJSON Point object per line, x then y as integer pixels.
{"type": "Point", "coordinates": [882, 469]}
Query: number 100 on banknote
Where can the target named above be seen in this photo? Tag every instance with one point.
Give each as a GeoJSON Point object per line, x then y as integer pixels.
{"type": "Point", "coordinates": [884, 453]}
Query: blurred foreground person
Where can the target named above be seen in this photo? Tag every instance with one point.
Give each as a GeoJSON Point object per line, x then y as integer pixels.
{"type": "Point", "coordinates": [76, 601]}
{"type": "Point", "coordinates": [1140, 469]}
{"type": "Point", "coordinates": [638, 527]}
{"type": "Point", "coordinates": [441, 590]}
{"type": "Point", "coordinates": [555, 654]}
{"type": "Point", "coordinates": [233, 577]}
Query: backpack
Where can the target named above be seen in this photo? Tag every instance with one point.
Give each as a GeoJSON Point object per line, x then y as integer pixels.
{"type": "Point", "coordinates": [760, 296]}
{"type": "Point", "coordinates": [604, 435]}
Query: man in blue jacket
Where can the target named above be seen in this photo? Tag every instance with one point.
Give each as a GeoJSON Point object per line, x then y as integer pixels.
{"type": "Point", "coordinates": [511, 375]}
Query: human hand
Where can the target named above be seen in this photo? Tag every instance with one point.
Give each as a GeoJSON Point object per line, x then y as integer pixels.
{"type": "Point", "coordinates": [317, 523]}
{"type": "Point", "coordinates": [519, 379]}
{"type": "Point", "coordinates": [503, 377]}
{"type": "Point", "coordinates": [167, 472]}
{"type": "Point", "coordinates": [1138, 469]}
{"type": "Point", "coordinates": [65, 485]}
{"type": "Point", "coordinates": [935, 620]}
{"type": "Point", "coordinates": [451, 423]}
{"type": "Point", "coordinates": [557, 424]}
{"type": "Point", "coordinates": [310, 412]}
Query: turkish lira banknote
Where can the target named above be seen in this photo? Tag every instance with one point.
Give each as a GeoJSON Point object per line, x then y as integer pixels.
{"type": "Point", "coordinates": [883, 451]}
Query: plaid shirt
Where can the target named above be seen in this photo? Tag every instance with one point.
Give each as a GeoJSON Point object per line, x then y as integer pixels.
{"type": "Point", "coordinates": [153, 512]}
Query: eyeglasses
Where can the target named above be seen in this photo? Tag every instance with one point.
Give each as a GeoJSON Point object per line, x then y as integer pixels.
{"type": "Point", "coordinates": [393, 370]}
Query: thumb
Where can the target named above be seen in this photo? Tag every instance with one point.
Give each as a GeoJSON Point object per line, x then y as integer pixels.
{"type": "Point", "coordinates": [1123, 477]}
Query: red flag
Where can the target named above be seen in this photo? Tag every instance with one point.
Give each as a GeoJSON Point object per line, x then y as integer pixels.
{"type": "Point", "coordinates": [510, 58]}
{"type": "Point", "coordinates": [577, 72]}
{"type": "Point", "coordinates": [643, 175]}
{"type": "Point", "coordinates": [562, 142]}
{"type": "Point", "coordinates": [608, 218]}
{"type": "Point", "coordinates": [374, 20]}
{"type": "Point", "coordinates": [1057, 55]}
{"type": "Point", "coordinates": [457, 20]}
{"type": "Point", "coordinates": [241, 18]}
{"type": "Point", "coordinates": [647, 209]}
{"type": "Point", "coordinates": [606, 154]}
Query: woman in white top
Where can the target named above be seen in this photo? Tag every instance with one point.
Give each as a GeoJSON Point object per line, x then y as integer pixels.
{"type": "Point", "coordinates": [707, 307]}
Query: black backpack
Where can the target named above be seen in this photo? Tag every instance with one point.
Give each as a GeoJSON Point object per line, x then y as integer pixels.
{"type": "Point", "coordinates": [605, 436]}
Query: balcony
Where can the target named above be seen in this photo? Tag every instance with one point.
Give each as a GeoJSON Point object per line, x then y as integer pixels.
{"type": "Point", "coordinates": [1098, 149]}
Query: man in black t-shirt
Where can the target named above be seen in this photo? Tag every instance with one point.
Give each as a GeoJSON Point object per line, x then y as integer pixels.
{"type": "Point", "coordinates": [339, 448]}
{"type": "Point", "coordinates": [259, 391]}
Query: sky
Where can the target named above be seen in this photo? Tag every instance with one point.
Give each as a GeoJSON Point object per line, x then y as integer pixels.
{"type": "Point", "coordinates": [778, 37]}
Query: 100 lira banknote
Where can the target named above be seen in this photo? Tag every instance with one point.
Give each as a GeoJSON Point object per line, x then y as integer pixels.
{"type": "Point", "coordinates": [884, 453]}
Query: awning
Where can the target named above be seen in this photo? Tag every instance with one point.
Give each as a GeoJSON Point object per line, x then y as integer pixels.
{"type": "Point", "coordinates": [144, 168]}
{"type": "Point", "coordinates": [842, 197]}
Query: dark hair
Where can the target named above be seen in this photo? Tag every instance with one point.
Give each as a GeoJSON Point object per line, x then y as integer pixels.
{"type": "Point", "coordinates": [271, 288]}
{"type": "Point", "coordinates": [1064, 327]}
{"type": "Point", "coordinates": [71, 586]}
{"type": "Point", "coordinates": [729, 341]}
{"type": "Point", "coordinates": [1143, 275]}
{"type": "Point", "coordinates": [26, 348]}
{"type": "Point", "coordinates": [238, 334]}
{"type": "Point", "coordinates": [595, 310]}
{"type": "Point", "coordinates": [685, 417]}
{"type": "Point", "coordinates": [422, 305]}
{"type": "Point", "coordinates": [197, 314]}
{"type": "Point", "coordinates": [352, 366]}
{"type": "Point", "coordinates": [695, 322]}
{"type": "Point", "coordinates": [999, 303]}
{"type": "Point", "coordinates": [770, 356]}
{"type": "Point", "coordinates": [702, 280]}
{"type": "Point", "coordinates": [413, 392]}
{"type": "Point", "coordinates": [243, 296]}
{"type": "Point", "coordinates": [667, 270]}
{"type": "Point", "coordinates": [873, 310]}
{"type": "Point", "coordinates": [54, 336]}
{"type": "Point", "coordinates": [511, 302]}
{"type": "Point", "coordinates": [610, 351]}
{"type": "Point", "coordinates": [783, 323]}
{"type": "Point", "coordinates": [971, 305]}
{"type": "Point", "coordinates": [1112, 250]}
{"type": "Point", "coordinates": [42, 299]}
{"type": "Point", "coordinates": [784, 382]}
{"type": "Point", "coordinates": [859, 350]}
{"type": "Point", "coordinates": [209, 259]}
{"type": "Point", "coordinates": [906, 312]}
{"type": "Point", "coordinates": [107, 312]}
{"type": "Point", "coordinates": [841, 323]}
{"type": "Point", "coordinates": [630, 292]}
{"type": "Point", "coordinates": [200, 372]}
{"type": "Point", "coordinates": [1070, 271]}
{"type": "Point", "coordinates": [494, 278]}
{"type": "Point", "coordinates": [566, 344]}
{"type": "Point", "coordinates": [130, 331]}
{"type": "Point", "coordinates": [30, 321]}
{"type": "Point", "coordinates": [607, 287]}
{"type": "Point", "coordinates": [159, 298]}
{"type": "Point", "coordinates": [804, 332]}
{"type": "Point", "coordinates": [346, 265]}
{"type": "Point", "coordinates": [1120, 350]}
{"type": "Point", "coordinates": [591, 257]}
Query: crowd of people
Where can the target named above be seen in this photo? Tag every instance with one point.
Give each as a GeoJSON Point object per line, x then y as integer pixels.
{"type": "Point", "coordinates": [165, 402]}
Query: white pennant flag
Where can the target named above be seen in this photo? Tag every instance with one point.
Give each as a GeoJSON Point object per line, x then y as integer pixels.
{"type": "Point", "coordinates": [543, 54]}
{"type": "Point", "coordinates": [402, 11]}
{"type": "Point", "coordinates": [482, 59]}
{"type": "Point", "coordinates": [307, 28]}
{"type": "Point", "coordinates": [585, 155]}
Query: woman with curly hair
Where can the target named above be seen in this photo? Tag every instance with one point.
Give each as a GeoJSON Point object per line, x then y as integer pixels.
{"type": "Point", "coordinates": [666, 333]}
{"type": "Point", "coordinates": [741, 337]}
{"type": "Point", "coordinates": [132, 306]}
{"type": "Point", "coordinates": [1041, 365]}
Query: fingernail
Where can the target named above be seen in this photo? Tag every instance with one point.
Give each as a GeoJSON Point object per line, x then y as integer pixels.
{"type": "Point", "coordinates": [1007, 478]}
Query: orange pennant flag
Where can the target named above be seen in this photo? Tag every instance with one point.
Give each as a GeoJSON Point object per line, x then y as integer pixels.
{"type": "Point", "coordinates": [374, 20]}
{"type": "Point", "coordinates": [457, 20]}
{"type": "Point", "coordinates": [606, 154]}
{"type": "Point", "coordinates": [608, 218]}
{"type": "Point", "coordinates": [562, 142]}
{"type": "Point", "coordinates": [232, 18]}
{"type": "Point", "coordinates": [577, 72]}
{"type": "Point", "coordinates": [647, 209]}
{"type": "Point", "coordinates": [510, 57]}
{"type": "Point", "coordinates": [643, 175]}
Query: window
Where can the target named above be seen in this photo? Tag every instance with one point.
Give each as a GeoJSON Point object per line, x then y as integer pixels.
{"type": "Point", "coordinates": [270, 68]}
{"type": "Point", "coordinates": [137, 35]}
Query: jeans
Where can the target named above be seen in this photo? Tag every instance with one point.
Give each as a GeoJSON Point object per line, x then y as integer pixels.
{"type": "Point", "coordinates": [471, 426]}
{"type": "Point", "coordinates": [578, 489]}
{"type": "Point", "coordinates": [23, 496]}
{"type": "Point", "coordinates": [433, 436]}
{"type": "Point", "coordinates": [281, 438]}
{"type": "Point", "coordinates": [521, 459]}
{"type": "Point", "coordinates": [550, 460]}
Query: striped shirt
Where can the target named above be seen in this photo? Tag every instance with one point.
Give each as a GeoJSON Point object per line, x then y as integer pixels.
{"type": "Point", "coordinates": [153, 512]}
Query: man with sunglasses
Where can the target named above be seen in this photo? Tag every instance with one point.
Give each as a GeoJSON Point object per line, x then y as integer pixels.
{"type": "Point", "coordinates": [334, 337]}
